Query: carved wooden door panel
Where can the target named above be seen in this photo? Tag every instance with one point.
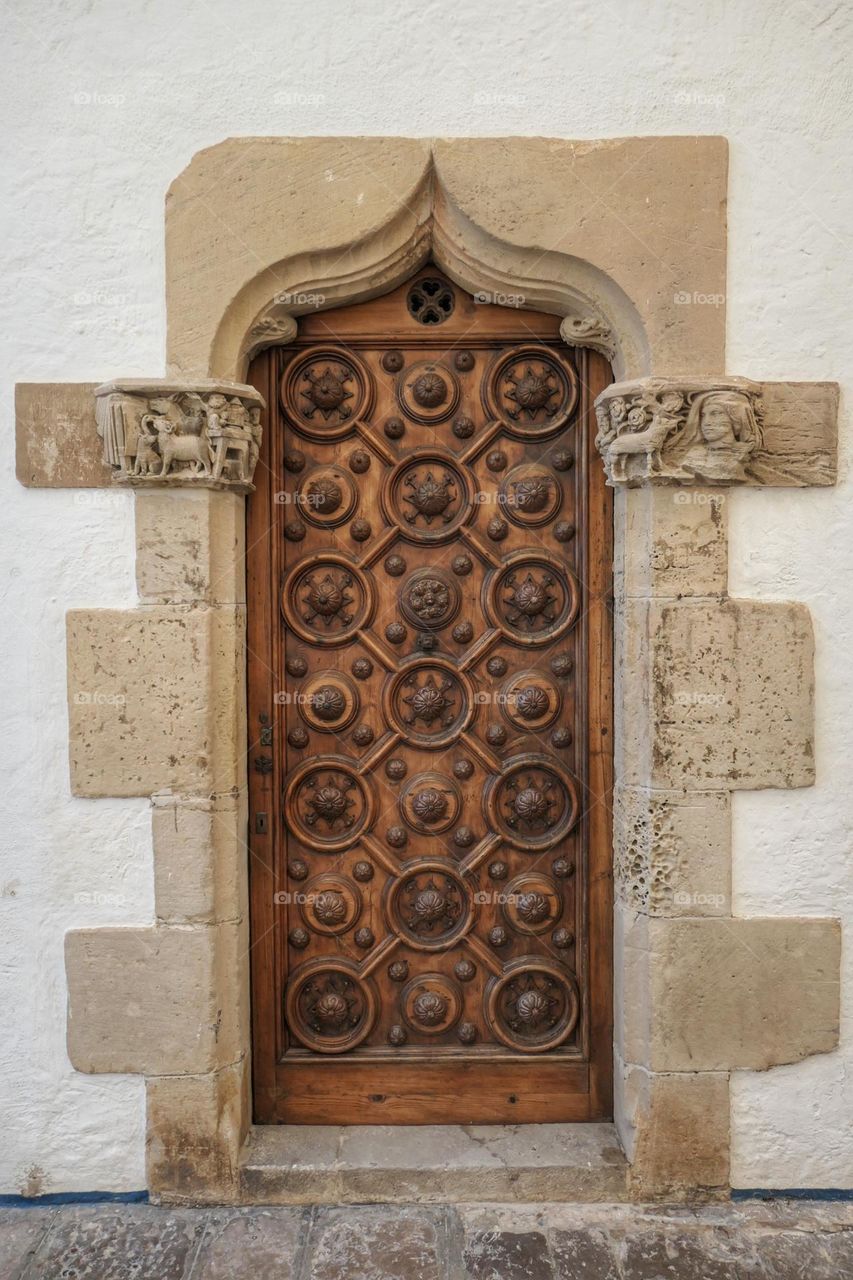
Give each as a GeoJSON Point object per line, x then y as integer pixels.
{"type": "Point", "coordinates": [429, 719]}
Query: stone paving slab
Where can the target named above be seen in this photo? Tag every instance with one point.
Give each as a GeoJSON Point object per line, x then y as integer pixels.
{"type": "Point", "coordinates": [777, 1240]}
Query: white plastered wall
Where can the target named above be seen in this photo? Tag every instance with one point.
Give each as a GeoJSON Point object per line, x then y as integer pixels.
{"type": "Point", "coordinates": [102, 106]}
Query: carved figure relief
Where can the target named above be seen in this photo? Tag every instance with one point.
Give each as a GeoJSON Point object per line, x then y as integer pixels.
{"type": "Point", "coordinates": [662, 431]}
{"type": "Point", "coordinates": [179, 435]}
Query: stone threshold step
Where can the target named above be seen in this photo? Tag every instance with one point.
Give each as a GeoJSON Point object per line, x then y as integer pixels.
{"type": "Point", "coordinates": [437, 1164]}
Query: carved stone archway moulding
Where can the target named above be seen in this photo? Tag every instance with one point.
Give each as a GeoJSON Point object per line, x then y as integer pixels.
{"type": "Point", "coordinates": [712, 695]}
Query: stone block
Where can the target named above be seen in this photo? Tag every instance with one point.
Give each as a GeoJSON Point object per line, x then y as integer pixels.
{"type": "Point", "coordinates": [739, 993]}
{"type": "Point", "coordinates": [673, 543]}
{"type": "Point", "coordinates": [156, 700]}
{"type": "Point", "coordinates": [672, 851]}
{"type": "Point", "coordinates": [675, 1128]}
{"type": "Point", "coordinates": [56, 439]}
{"type": "Point", "coordinates": [190, 546]}
{"type": "Point", "coordinates": [200, 856]}
{"type": "Point", "coordinates": [156, 1001]}
{"type": "Point", "coordinates": [733, 695]}
{"type": "Point", "coordinates": [194, 1134]}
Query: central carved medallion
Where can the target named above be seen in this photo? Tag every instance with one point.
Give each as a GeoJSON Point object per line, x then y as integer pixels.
{"type": "Point", "coordinates": [430, 905]}
{"type": "Point", "coordinates": [327, 803]}
{"type": "Point", "coordinates": [430, 390]}
{"type": "Point", "coordinates": [429, 598]}
{"type": "Point", "coordinates": [326, 391]}
{"type": "Point", "coordinates": [533, 803]}
{"type": "Point", "coordinates": [326, 597]}
{"type": "Point", "coordinates": [430, 497]}
{"type": "Point", "coordinates": [430, 700]}
{"type": "Point", "coordinates": [531, 390]}
{"type": "Point", "coordinates": [533, 1008]}
{"type": "Point", "coordinates": [532, 598]}
{"type": "Point", "coordinates": [328, 703]}
{"type": "Point", "coordinates": [430, 806]}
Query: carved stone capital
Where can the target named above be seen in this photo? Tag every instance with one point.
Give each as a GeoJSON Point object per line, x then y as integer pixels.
{"type": "Point", "coordinates": [718, 431]}
{"type": "Point", "coordinates": [200, 434]}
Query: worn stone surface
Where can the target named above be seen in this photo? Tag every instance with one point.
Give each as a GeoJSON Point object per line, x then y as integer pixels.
{"type": "Point", "coordinates": [199, 853]}
{"type": "Point", "coordinates": [779, 1240]}
{"type": "Point", "coordinates": [190, 546]}
{"type": "Point", "coordinates": [511, 1255]}
{"type": "Point", "coordinates": [194, 1133]}
{"type": "Point", "coordinates": [117, 1243]}
{"type": "Point", "coordinates": [156, 1001]}
{"type": "Point", "coordinates": [56, 440]}
{"type": "Point", "coordinates": [384, 1244]}
{"type": "Point", "coordinates": [741, 993]}
{"type": "Point", "coordinates": [248, 239]}
{"type": "Point", "coordinates": [672, 851]}
{"type": "Point", "coordinates": [270, 1242]}
{"type": "Point", "coordinates": [676, 1128]}
{"type": "Point", "coordinates": [723, 692]}
{"type": "Point", "coordinates": [21, 1232]}
{"type": "Point", "coordinates": [295, 1164]}
{"type": "Point", "coordinates": [672, 543]}
{"type": "Point", "coordinates": [155, 700]}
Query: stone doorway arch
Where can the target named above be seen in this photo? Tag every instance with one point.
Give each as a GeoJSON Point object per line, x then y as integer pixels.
{"type": "Point", "coordinates": [623, 238]}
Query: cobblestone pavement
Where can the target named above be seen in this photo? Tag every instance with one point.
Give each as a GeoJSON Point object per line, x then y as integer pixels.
{"type": "Point", "coordinates": [768, 1241]}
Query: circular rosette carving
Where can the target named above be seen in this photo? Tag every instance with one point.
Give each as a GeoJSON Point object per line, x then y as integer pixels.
{"type": "Point", "coordinates": [431, 1003]}
{"type": "Point", "coordinates": [326, 598]}
{"type": "Point", "coordinates": [330, 903]}
{"type": "Point", "coordinates": [532, 598]}
{"type": "Point", "coordinates": [428, 392]}
{"type": "Point", "coordinates": [531, 701]}
{"type": "Point", "coordinates": [324, 391]}
{"type": "Point", "coordinates": [328, 1007]}
{"type": "Point", "coordinates": [533, 803]}
{"type": "Point", "coordinates": [533, 1006]}
{"type": "Point", "coordinates": [429, 702]}
{"type": "Point", "coordinates": [532, 903]}
{"type": "Point", "coordinates": [429, 905]}
{"type": "Point", "coordinates": [428, 495]}
{"type": "Point", "coordinates": [326, 804]}
{"type": "Point", "coordinates": [429, 598]}
{"type": "Point", "coordinates": [531, 495]}
{"type": "Point", "coordinates": [430, 803]}
{"type": "Point", "coordinates": [327, 497]}
{"type": "Point", "coordinates": [532, 390]}
{"type": "Point", "coordinates": [328, 701]}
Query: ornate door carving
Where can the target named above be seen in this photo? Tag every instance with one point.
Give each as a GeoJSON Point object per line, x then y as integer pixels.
{"type": "Point", "coordinates": [429, 719]}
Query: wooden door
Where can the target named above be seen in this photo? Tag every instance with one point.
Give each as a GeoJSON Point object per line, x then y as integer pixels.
{"type": "Point", "coordinates": [430, 719]}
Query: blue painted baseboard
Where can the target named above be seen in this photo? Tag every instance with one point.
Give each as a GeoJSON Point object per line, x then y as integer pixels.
{"type": "Point", "coordinates": [74, 1197]}
{"type": "Point", "coordinates": [793, 1193]}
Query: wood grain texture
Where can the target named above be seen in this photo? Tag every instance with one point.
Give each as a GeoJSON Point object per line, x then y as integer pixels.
{"type": "Point", "coordinates": [430, 702]}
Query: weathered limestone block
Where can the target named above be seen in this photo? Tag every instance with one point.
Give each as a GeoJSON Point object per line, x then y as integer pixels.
{"type": "Point", "coordinates": [672, 851]}
{"type": "Point", "coordinates": [196, 1125]}
{"type": "Point", "coordinates": [155, 700]}
{"type": "Point", "coordinates": [158, 434]}
{"type": "Point", "coordinates": [742, 993]}
{"type": "Point", "coordinates": [199, 858]}
{"type": "Point", "coordinates": [675, 1129]}
{"type": "Point", "coordinates": [672, 543]}
{"type": "Point", "coordinates": [718, 431]}
{"type": "Point", "coordinates": [270, 238]}
{"type": "Point", "coordinates": [190, 546]}
{"type": "Point", "coordinates": [56, 442]}
{"type": "Point", "coordinates": [733, 695]}
{"type": "Point", "coordinates": [156, 1001]}
{"type": "Point", "coordinates": [286, 200]}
